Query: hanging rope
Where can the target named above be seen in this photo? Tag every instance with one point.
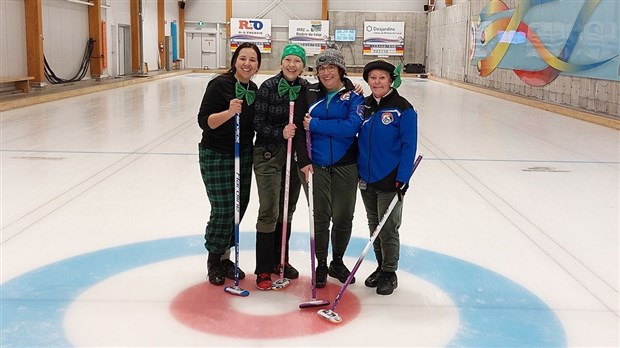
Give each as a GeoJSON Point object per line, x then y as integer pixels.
{"type": "Point", "coordinates": [53, 79]}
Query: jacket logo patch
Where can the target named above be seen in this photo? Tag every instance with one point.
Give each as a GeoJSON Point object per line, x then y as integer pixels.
{"type": "Point", "coordinates": [346, 96]}
{"type": "Point", "coordinates": [387, 118]}
{"type": "Point", "coordinates": [359, 110]}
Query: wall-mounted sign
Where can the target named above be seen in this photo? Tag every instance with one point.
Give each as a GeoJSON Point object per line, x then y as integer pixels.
{"type": "Point", "coordinates": [344, 35]}
{"type": "Point", "coordinates": [256, 31]}
{"type": "Point", "coordinates": [384, 38]}
{"type": "Point", "coordinates": [208, 44]}
{"type": "Point", "coordinates": [312, 35]}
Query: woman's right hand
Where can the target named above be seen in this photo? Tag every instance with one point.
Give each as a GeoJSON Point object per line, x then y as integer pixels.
{"type": "Point", "coordinates": [234, 107]}
{"type": "Point", "coordinates": [218, 119]}
{"type": "Point", "coordinates": [289, 131]}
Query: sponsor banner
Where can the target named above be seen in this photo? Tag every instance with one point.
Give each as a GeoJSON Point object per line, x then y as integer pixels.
{"type": "Point", "coordinates": [384, 38]}
{"type": "Point", "coordinates": [256, 31]}
{"type": "Point", "coordinates": [312, 35]}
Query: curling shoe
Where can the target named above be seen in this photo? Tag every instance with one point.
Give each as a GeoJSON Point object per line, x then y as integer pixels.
{"type": "Point", "coordinates": [338, 270]}
{"type": "Point", "coordinates": [229, 266]}
{"type": "Point", "coordinates": [321, 274]}
{"type": "Point", "coordinates": [263, 281]}
{"type": "Point", "coordinates": [216, 273]}
{"type": "Point", "coordinates": [373, 279]}
{"type": "Point", "coordinates": [387, 283]}
{"type": "Point", "coordinates": [289, 271]}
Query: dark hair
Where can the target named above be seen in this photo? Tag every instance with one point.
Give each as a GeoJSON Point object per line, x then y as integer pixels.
{"type": "Point", "coordinates": [235, 55]}
{"type": "Point", "coordinates": [342, 73]}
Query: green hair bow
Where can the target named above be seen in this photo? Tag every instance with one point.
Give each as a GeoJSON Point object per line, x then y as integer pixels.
{"type": "Point", "coordinates": [245, 93]}
{"type": "Point", "coordinates": [397, 79]}
{"type": "Point", "coordinates": [284, 87]}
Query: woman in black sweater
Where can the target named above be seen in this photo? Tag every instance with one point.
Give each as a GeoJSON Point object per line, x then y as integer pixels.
{"type": "Point", "coordinates": [219, 105]}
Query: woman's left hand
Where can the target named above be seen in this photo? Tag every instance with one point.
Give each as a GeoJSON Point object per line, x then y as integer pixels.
{"type": "Point", "coordinates": [307, 120]}
{"type": "Point", "coordinates": [358, 89]}
{"type": "Point", "coordinates": [289, 131]}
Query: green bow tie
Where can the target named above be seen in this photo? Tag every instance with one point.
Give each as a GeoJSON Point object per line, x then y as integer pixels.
{"type": "Point", "coordinates": [284, 87]}
{"type": "Point", "coordinates": [244, 93]}
{"type": "Point", "coordinates": [397, 79]}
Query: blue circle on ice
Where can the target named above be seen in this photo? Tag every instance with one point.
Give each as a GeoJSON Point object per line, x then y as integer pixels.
{"type": "Point", "coordinates": [493, 310]}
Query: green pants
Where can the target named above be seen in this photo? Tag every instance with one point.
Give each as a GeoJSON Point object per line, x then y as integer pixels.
{"type": "Point", "coordinates": [218, 175]}
{"type": "Point", "coordinates": [334, 194]}
{"type": "Point", "coordinates": [387, 244]}
{"type": "Point", "coordinates": [270, 173]}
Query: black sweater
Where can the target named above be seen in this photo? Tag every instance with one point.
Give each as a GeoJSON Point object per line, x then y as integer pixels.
{"type": "Point", "coordinates": [220, 91]}
{"type": "Point", "coordinates": [272, 112]}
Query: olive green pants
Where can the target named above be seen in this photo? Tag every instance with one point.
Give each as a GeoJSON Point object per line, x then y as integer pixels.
{"type": "Point", "coordinates": [270, 173]}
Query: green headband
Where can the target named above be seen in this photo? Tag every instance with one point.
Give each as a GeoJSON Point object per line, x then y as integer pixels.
{"type": "Point", "coordinates": [295, 50]}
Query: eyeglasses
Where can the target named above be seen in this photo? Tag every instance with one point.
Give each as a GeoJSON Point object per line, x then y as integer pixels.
{"type": "Point", "coordinates": [327, 68]}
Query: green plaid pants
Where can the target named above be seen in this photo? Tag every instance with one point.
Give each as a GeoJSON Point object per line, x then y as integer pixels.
{"type": "Point", "coordinates": [218, 175]}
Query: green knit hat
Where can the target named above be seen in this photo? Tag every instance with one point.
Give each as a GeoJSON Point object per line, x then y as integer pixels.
{"type": "Point", "coordinates": [295, 50]}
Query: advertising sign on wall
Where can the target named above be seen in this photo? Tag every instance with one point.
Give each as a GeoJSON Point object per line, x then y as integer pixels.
{"type": "Point", "coordinates": [312, 35]}
{"type": "Point", "coordinates": [384, 38]}
{"type": "Point", "coordinates": [541, 40]}
{"type": "Point", "coordinates": [256, 31]}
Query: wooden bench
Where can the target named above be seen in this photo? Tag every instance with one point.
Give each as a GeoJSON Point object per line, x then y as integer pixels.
{"type": "Point", "coordinates": [21, 82]}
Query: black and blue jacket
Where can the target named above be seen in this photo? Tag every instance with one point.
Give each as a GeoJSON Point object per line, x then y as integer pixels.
{"type": "Point", "coordinates": [333, 128]}
{"type": "Point", "coordinates": [387, 141]}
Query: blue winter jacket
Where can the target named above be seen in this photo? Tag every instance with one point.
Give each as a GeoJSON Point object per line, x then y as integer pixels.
{"type": "Point", "coordinates": [333, 128]}
{"type": "Point", "coordinates": [387, 141]}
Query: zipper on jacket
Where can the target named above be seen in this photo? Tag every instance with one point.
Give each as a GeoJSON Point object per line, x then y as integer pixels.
{"type": "Point", "coordinates": [331, 147]}
{"type": "Point", "coordinates": [372, 125]}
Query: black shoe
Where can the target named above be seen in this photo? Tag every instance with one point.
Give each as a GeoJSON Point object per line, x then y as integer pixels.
{"type": "Point", "coordinates": [387, 283]}
{"type": "Point", "coordinates": [338, 270]}
{"type": "Point", "coordinates": [321, 274]}
{"type": "Point", "coordinates": [229, 266]}
{"type": "Point", "coordinates": [373, 279]}
{"type": "Point", "coordinates": [217, 273]}
{"type": "Point", "coordinates": [289, 271]}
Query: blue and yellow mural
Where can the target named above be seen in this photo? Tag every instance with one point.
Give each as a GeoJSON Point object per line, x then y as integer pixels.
{"type": "Point", "coordinates": [541, 39]}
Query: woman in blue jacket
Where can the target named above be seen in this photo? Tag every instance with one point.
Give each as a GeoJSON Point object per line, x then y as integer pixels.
{"type": "Point", "coordinates": [332, 111]}
{"type": "Point", "coordinates": [387, 147]}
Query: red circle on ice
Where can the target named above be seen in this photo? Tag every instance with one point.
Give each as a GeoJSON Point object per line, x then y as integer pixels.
{"type": "Point", "coordinates": [207, 308]}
